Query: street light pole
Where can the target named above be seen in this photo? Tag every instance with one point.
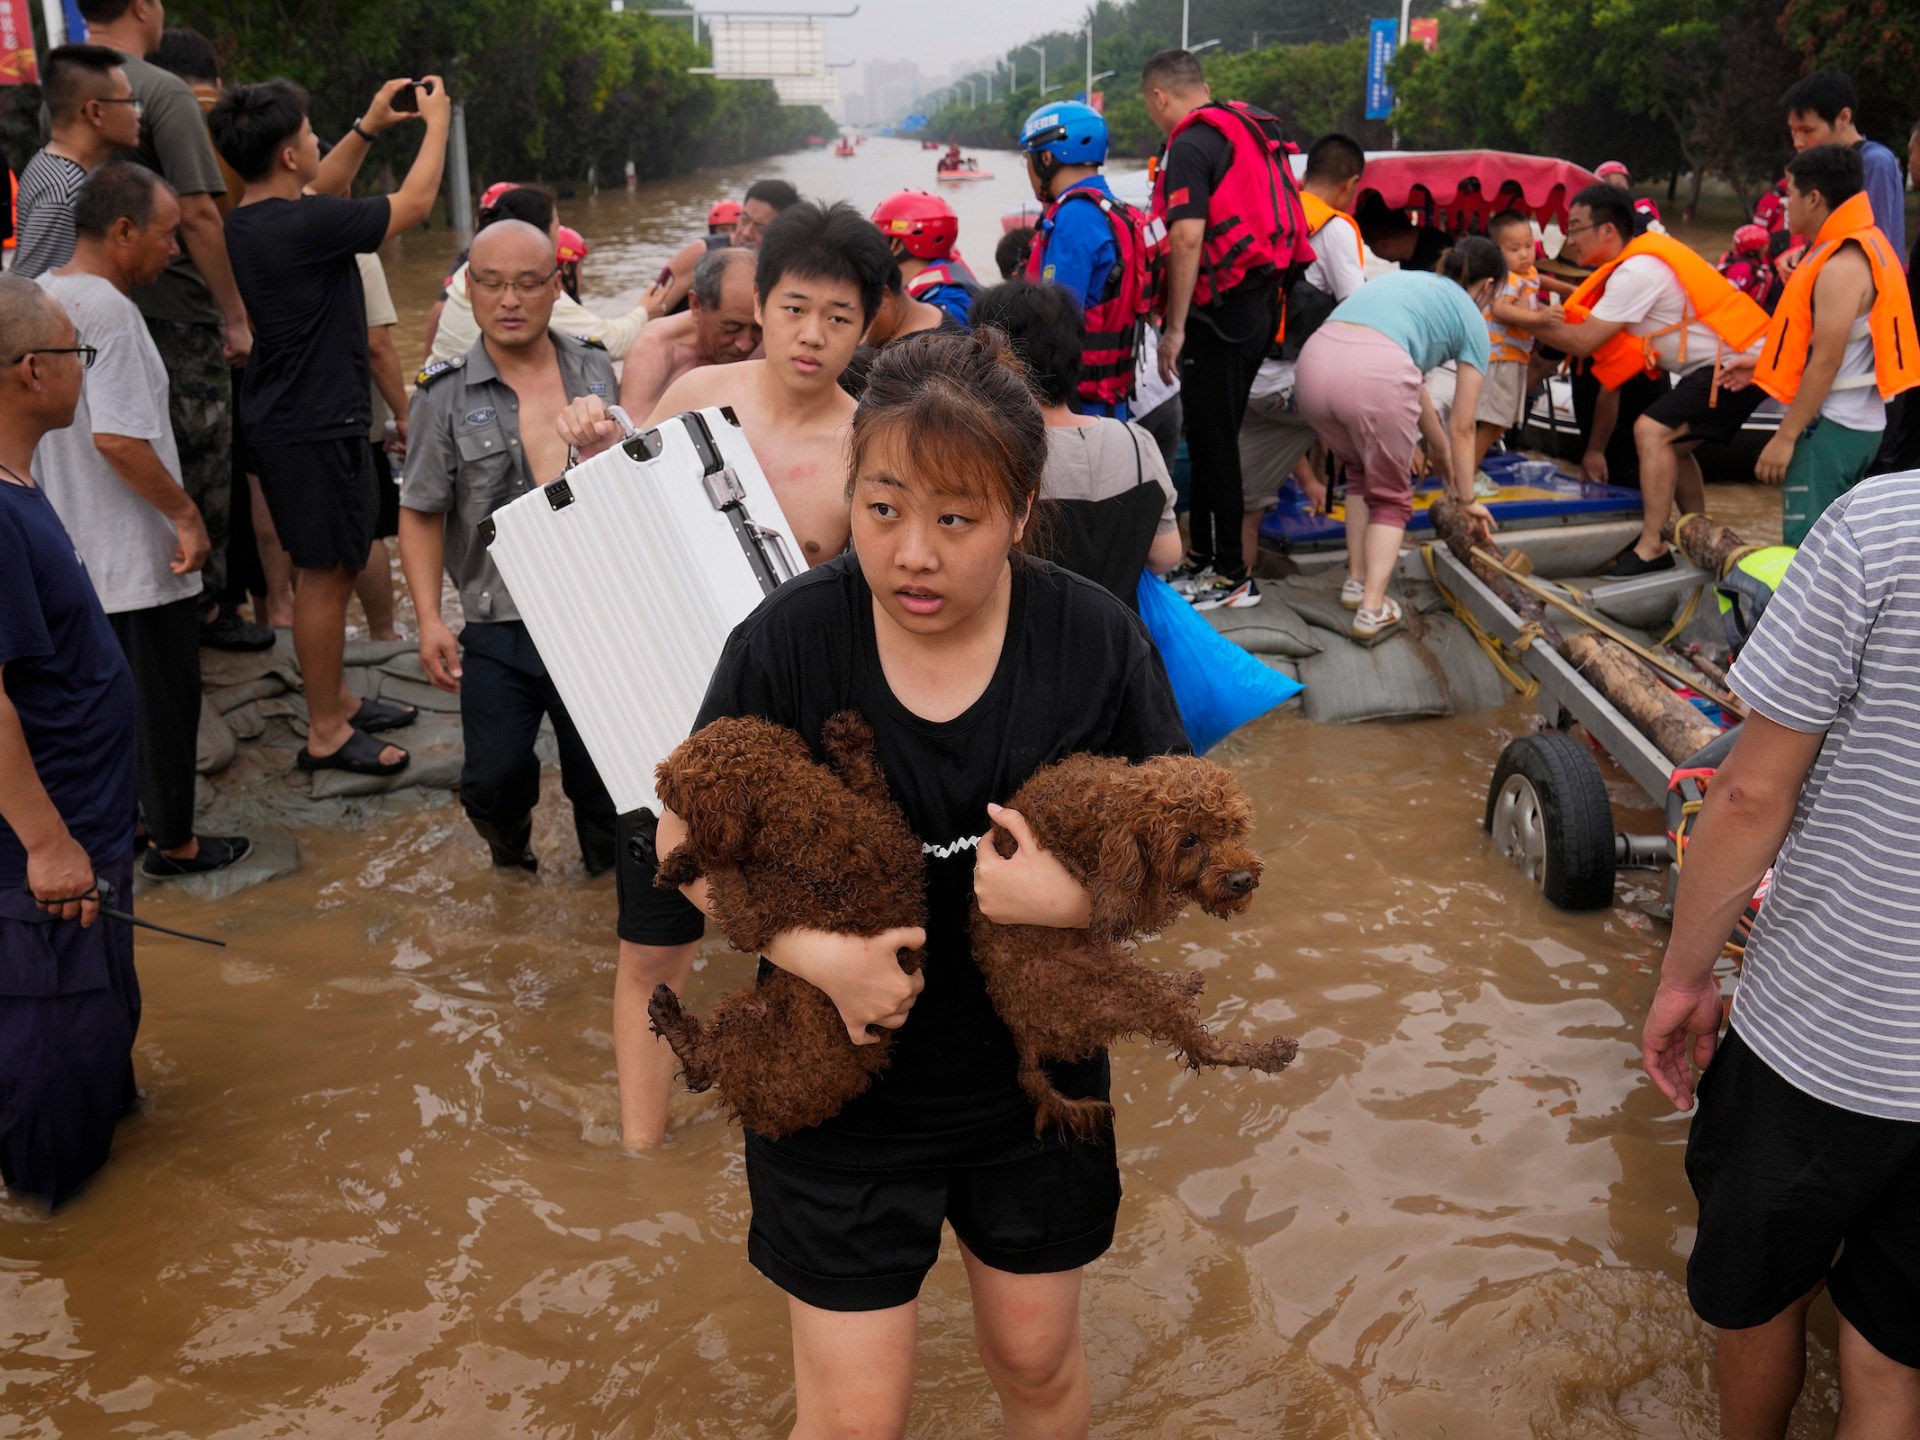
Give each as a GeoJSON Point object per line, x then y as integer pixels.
{"type": "Point", "coordinates": [1089, 57]}
{"type": "Point", "coordinates": [1041, 51]}
{"type": "Point", "coordinates": [1184, 4]}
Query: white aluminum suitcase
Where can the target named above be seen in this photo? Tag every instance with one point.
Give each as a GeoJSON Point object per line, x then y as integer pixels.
{"type": "Point", "coordinates": [630, 571]}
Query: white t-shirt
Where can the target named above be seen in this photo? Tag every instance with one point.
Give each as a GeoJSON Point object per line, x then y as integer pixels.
{"type": "Point", "coordinates": [124, 542]}
{"type": "Point", "coordinates": [1336, 269]}
{"type": "Point", "coordinates": [1647, 295]}
{"type": "Point", "coordinates": [1857, 405]}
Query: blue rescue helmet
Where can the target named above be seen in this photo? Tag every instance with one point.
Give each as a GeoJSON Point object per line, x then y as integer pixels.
{"type": "Point", "coordinates": [1076, 134]}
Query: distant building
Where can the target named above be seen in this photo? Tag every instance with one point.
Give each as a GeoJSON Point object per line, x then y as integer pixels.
{"type": "Point", "coordinates": [891, 88]}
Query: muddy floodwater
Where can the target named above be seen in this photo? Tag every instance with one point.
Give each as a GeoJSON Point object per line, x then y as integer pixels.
{"type": "Point", "coordinates": [376, 1188]}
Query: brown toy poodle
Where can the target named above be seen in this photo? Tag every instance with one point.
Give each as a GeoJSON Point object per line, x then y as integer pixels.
{"type": "Point", "coordinates": [1146, 840]}
{"type": "Point", "coordinates": [785, 843]}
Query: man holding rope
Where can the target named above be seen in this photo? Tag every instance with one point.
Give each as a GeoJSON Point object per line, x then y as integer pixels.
{"type": "Point", "coordinates": [69, 999]}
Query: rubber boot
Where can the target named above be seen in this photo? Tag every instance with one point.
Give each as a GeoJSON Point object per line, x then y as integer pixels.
{"type": "Point", "coordinates": [596, 836]}
{"type": "Point", "coordinates": [509, 843]}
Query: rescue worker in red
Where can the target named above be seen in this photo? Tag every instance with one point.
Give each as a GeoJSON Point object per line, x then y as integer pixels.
{"type": "Point", "coordinates": [1100, 250]}
{"type": "Point", "coordinates": [1235, 234]}
{"type": "Point", "coordinates": [921, 230]}
{"type": "Point", "coordinates": [1840, 346]}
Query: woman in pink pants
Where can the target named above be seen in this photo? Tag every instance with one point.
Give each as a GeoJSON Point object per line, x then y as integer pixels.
{"type": "Point", "coordinates": [1360, 386]}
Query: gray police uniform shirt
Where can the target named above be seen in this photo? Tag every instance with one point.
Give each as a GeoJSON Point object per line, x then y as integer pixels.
{"type": "Point", "coordinates": [465, 460]}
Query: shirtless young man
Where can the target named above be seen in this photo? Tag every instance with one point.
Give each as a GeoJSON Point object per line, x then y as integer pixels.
{"type": "Point", "coordinates": [818, 282]}
{"type": "Point", "coordinates": [718, 329]}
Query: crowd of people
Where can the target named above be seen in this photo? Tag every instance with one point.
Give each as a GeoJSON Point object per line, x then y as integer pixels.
{"type": "Point", "coordinates": [196, 319]}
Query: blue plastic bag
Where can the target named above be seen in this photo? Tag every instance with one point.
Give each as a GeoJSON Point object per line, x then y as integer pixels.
{"type": "Point", "coordinates": [1219, 686]}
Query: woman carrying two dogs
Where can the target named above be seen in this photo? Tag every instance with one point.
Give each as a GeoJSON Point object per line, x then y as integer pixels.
{"type": "Point", "coordinates": [975, 666]}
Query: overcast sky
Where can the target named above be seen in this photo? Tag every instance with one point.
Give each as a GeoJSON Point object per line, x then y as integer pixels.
{"type": "Point", "coordinates": [937, 35]}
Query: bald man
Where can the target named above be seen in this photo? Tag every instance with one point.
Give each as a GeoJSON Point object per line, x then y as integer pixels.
{"type": "Point", "coordinates": [718, 328]}
{"type": "Point", "coordinates": [481, 432]}
{"type": "Point", "coordinates": [69, 999]}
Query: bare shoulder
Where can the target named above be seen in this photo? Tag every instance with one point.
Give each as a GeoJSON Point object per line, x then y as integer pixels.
{"type": "Point", "coordinates": [697, 389]}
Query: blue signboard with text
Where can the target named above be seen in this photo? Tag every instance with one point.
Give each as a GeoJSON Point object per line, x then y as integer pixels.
{"type": "Point", "coordinates": [1382, 38]}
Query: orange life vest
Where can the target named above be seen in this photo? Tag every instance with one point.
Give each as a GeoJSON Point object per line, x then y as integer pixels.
{"type": "Point", "coordinates": [1710, 301]}
{"type": "Point", "coordinates": [1896, 364]}
{"type": "Point", "coordinates": [1319, 212]}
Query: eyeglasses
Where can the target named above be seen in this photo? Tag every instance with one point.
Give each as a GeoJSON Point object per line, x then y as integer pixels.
{"type": "Point", "coordinates": [87, 354]}
{"type": "Point", "coordinates": [494, 285]}
{"type": "Point", "coordinates": [1572, 230]}
{"type": "Point", "coordinates": [138, 108]}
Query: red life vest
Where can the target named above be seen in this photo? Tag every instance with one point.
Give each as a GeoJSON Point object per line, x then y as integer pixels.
{"type": "Point", "coordinates": [1112, 333]}
{"type": "Point", "coordinates": [1255, 221]}
{"type": "Point", "coordinates": [950, 271]}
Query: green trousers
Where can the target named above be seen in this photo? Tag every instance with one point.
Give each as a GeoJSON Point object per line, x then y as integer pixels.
{"type": "Point", "coordinates": [1828, 461]}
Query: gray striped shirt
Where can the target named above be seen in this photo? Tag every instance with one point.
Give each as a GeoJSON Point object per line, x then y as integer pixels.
{"type": "Point", "coordinates": [1830, 992]}
{"type": "Point", "coordinates": [47, 189]}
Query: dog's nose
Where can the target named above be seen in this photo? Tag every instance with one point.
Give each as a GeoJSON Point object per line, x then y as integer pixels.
{"type": "Point", "coordinates": [1240, 881]}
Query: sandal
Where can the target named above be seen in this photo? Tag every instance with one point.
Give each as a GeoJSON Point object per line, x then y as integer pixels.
{"type": "Point", "coordinates": [216, 853]}
{"type": "Point", "coordinates": [1353, 594]}
{"type": "Point", "coordinates": [1370, 624]}
{"type": "Point", "coordinates": [359, 756]}
{"type": "Point", "coordinates": [375, 716]}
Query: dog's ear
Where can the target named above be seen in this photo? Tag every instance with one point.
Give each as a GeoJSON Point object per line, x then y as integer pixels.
{"type": "Point", "coordinates": [1115, 884]}
{"type": "Point", "coordinates": [720, 822]}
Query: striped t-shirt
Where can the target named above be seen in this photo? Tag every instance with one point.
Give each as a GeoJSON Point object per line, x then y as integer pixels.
{"type": "Point", "coordinates": [1830, 992]}
{"type": "Point", "coordinates": [47, 188]}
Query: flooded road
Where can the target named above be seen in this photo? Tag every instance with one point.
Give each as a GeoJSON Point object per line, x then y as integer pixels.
{"type": "Point", "coordinates": [376, 1188]}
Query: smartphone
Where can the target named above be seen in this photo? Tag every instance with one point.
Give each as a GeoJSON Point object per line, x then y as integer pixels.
{"type": "Point", "coordinates": [406, 100]}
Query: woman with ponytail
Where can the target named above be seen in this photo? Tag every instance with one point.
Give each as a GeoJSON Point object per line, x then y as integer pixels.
{"type": "Point", "coordinates": [1361, 386]}
{"type": "Point", "coordinates": [976, 666]}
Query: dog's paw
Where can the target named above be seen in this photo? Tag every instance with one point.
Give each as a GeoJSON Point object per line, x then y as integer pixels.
{"type": "Point", "coordinates": [677, 869]}
{"type": "Point", "coordinates": [1273, 1055]}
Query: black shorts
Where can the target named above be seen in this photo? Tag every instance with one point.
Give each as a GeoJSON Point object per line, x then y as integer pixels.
{"type": "Point", "coordinates": [386, 517]}
{"type": "Point", "coordinates": [648, 914]}
{"type": "Point", "coordinates": [324, 500]}
{"type": "Point", "coordinates": [840, 1238]}
{"type": "Point", "coordinates": [1687, 404]}
{"type": "Point", "coordinates": [1784, 1180]}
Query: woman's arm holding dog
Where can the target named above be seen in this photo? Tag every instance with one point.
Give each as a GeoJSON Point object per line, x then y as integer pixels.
{"type": "Point", "coordinates": [860, 974]}
{"type": "Point", "coordinates": [1029, 887]}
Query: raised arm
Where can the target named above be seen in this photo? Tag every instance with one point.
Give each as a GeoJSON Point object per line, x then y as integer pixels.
{"type": "Point", "coordinates": [413, 201]}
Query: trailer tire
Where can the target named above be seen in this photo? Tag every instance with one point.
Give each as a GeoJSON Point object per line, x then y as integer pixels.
{"type": "Point", "coordinates": [1547, 811]}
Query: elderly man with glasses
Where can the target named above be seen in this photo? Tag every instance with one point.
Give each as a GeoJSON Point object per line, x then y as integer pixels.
{"type": "Point", "coordinates": [480, 433]}
{"type": "Point", "coordinates": [69, 999]}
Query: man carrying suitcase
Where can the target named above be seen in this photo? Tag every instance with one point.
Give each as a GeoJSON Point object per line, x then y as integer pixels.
{"type": "Point", "coordinates": [481, 432]}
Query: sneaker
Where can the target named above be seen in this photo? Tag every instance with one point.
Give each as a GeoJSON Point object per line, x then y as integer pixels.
{"type": "Point", "coordinates": [1485, 487]}
{"type": "Point", "coordinates": [1220, 592]}
{"type": "Point", "coordinates": [227, 631]}
{"type": "Point", "coordinates": [1188, 573]}
{"type": "Point", "coordinates": [1353, 594]}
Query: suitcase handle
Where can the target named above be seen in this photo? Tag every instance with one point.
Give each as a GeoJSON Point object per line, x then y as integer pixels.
{"type": "Point", "coordinates": [627, 431]}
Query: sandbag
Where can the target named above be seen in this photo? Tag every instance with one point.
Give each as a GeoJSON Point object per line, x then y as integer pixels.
{"type": "Point", "coordinates": [1269, 628]}
{"type": "Point", "coordinates": [1472, 681]}
{"type": "Point", "coordinates": [1392, 680]}
{"type": "Point", "coordinates": [1218, 686]}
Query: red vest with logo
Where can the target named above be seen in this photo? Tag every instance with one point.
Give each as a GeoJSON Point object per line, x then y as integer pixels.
{"type": "Point", "coordinates": [1112, 335]}
{"type": "Point", "coordinates": [1255, 221]}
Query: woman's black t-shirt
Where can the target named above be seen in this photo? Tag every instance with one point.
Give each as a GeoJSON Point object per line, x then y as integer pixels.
{"type": "Point", "coordinates": [1077, 673]}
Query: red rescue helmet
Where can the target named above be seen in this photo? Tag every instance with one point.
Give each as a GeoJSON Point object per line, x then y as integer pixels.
{"type": "Point", "coordinates": [723, 213]}
{"type": "Point", "coordinates": [924, 223]}
{"type": "Point", "coordinates": [490, 196]}
{"type": "Point", "coordinates": [1612, 167]}
{"type": "Point", "coordinates": [1750, 237]}
{"type": "Point", "coordinates": [571, 248]}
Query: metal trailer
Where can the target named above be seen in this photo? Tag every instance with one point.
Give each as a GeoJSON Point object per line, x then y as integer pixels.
{"type": "Point", "coordinates": [1547, 805]}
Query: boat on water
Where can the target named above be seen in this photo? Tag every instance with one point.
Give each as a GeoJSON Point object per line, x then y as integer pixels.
{"type": "Point", "coordinates": [929, 144]}
{"type": "Point", "coordinates": [956, 174]}
{"type": "Point", "coordinates": [845, 150]}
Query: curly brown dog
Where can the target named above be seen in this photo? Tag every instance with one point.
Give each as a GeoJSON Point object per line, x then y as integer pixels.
{"type": "Point", "coordinates": [1146, 840]}
{"type": "Point", "coordinates": [785, 843]}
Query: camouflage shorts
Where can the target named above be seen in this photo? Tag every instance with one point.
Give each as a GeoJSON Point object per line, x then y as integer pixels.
{"type": "Point", "coordinates": [202, 412]}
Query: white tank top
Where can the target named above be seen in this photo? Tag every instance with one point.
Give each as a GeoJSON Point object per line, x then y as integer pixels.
{"type": "Point", "coordinates": [1854, 401]}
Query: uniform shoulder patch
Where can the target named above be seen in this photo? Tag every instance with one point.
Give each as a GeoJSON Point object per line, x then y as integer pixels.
{"type": "Point", "coordinates": [592, 342]}
{"type": "Point", "coordinates": [438, 368]}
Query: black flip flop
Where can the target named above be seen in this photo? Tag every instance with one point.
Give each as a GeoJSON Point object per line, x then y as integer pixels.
{"type": "Point", "coordinates": [216, 853]}
{"type": "Point", "coordinates": [375, 716]}
{"type": "Point", "coordinates": [359, 756]}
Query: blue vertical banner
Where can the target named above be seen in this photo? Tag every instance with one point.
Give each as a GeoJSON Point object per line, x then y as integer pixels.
{"type": "Point", "coordinates": [1382, 39]}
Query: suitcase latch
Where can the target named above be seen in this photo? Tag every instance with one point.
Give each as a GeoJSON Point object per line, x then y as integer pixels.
{"type": "Point", "coordinates": [559, 494]}
{"type": "Point", "coordinates": [724, 488]}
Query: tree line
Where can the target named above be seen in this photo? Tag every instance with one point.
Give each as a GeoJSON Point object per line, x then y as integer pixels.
{"type": "Point", "coordinates": [555, 90]}
{"type": "Point", "coordinates": [1670, 87]}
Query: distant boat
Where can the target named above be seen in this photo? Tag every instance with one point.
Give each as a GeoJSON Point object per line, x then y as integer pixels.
{"type": "Point", "coordinates": [844, 150]}
{"type": "Point", "coordinates": [816, 142]}
{"type": "Point", "coordinates": [929, 144]}
{"type": "Point", "coordinates": [969, 170]}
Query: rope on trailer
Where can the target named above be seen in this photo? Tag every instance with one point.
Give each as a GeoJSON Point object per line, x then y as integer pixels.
{"type": "Point", "coordinates": [1495, 650]}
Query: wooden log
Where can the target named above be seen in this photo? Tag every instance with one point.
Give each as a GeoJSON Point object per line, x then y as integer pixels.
{"type": "Point", "coordinates": [1451, 525]}
{"type": "Point", "coordinates": [1674, 726]}
{"type": "Point", "coordinates": [1705, 543]}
